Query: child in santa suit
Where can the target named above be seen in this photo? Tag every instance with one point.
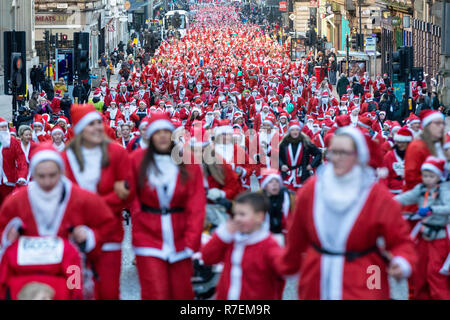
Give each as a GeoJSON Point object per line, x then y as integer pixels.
{"type": "Point", "coordinates": [339, 216]}
{"type": "Point", "coordinates": [248, 251]}
{"type": "Point", "coordinates": [432, 234]}
{"type": "Point", "coordinates": [45, 260]}
{"type": "Point", "coordinates": [281, 201]}
{"type": "Point", "coordinates": [99, 165]}
{"type": "Point", "coordinates": [394, 161]}
{"type": "Point", "coordinates": [51, 205]}
{"type": "Point", "coordinates": [168, 225]}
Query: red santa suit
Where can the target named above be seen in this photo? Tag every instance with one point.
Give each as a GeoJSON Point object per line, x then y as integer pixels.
{"type": "Point", "coordinates": [250, 271]}
{"type": "Point", "coordinates": [113, 115]}
{"type": "Point", "coordinates": [321, 227]}
{"type": "Point", "coordinates": [101, 180]}
{"type": "Point", "coordinates": [13, 165]}
{"type": "Point", "coordinates": [167, 227]}
{"type": "Point", "coordinates": [395, 165]}
{"type": "Point", "coordinates": [30, 207]}
{"type": "Point", "coordinates": [48, 260]}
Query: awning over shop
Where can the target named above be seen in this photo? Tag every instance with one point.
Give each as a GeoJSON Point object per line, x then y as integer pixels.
{"type": "Point", "coordinates": [136, 5]}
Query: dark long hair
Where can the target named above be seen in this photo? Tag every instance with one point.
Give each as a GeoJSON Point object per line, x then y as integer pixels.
{"type": "Point", "coordinates": [302, 138]}
{"type": "Point", "coordinates": [149, 162]}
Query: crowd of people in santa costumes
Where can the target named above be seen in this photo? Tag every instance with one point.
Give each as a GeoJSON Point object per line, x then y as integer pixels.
{"type": "Point", "coordinates": [215, 114]}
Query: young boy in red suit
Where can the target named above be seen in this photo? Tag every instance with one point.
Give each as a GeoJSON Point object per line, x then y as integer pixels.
{"type": "Point", "coordinates": [248, 251]}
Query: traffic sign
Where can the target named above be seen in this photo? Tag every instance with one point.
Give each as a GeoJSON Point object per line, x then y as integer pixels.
{"type": "Point", "coordinates": [292, 16]}
{"type": "Point", "coordinates": [371, 45]}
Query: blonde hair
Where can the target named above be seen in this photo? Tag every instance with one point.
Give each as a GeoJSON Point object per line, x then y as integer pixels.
{"type": "Point", "coordinates": [32, 291]}
{"type": "Point", "coordinates": [75, 146]}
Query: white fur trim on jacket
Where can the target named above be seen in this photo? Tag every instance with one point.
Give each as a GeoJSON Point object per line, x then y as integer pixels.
{"type": "Point", "coordinates": [90, 239]}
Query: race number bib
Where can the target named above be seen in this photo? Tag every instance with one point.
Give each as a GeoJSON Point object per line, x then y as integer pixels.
{"type": "Point", "coordinates": [399, 168]}
{"type": "Point", "coordinates": [39, 251]}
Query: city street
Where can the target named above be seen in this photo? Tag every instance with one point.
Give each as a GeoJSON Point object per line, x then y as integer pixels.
{"type": "Point", "coordinates": [232, 150]}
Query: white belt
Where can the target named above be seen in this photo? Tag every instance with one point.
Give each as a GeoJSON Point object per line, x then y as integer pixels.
{"type": "Point", "coordinates": [112, 246]}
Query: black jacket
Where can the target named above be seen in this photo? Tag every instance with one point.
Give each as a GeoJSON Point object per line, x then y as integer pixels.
{"type": "Point", "coordinates": [309, 150]}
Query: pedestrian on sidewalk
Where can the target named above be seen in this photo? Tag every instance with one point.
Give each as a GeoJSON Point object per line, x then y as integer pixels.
{"type": "Point", "coordinates": [342, 84]}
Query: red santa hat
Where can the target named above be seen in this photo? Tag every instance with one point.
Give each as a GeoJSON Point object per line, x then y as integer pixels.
{"type": "Point", "coordinates": [38, 121]}
{"type": "Point", "coordinates": [97, 93]}
{"type": "Point", "coordinates": [270, 120]}
{"type": "Point", "coordinates": [3, 121]}
{"type": "Point", "coordinates": [158, 121]}
{"type": "Point", "coordinates": [447, 141]}
{"type": "Point", "coordinates": [327, 123]}
{"type": "Point", "coordinates": [144, 122]}
{"type": "Point", "coordinates": [223, 128]}
{"type": "Point", "coordinates": [295, 124]}
{"type": "Point", "coordinates": [13, 131]}
{"type": "Point", "coordinates": [82, 115]}
{"type": "Point", "coordinates": [358, 138]}
{"type": "Point", "coordinates": [42, 94]}
{"type": "Point", "coordinates": [46, 117]}
{"type": "Point", "coordinates": [427, 116]}
{"type": "Point", "coordinates": [45, 152]}
{"type": "Point", "coordinates": [403, 135]}
{"type": "Point", "coordinates": [435, 165]}
{"type": "Point", "coordinates": [412, 119]}
{"type": "Point", "coordinates": [268, 175]}
{"type": "Point", "coordinates": [56, 129]}
{"type": "Point", "coordinates": [63, 119]}
{"type": "Point", "coordinates": [343, 120]}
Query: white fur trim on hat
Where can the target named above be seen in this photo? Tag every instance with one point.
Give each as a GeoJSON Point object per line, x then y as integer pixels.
{"type": "Point", "coordinates": [223, 130]}
{"type": "Point", "coordinates": [46, 155]}
{"type": "Point", "coordinates": [158, 125]}
{"type": "Point", "coordinates": [400, 138]}
{"type": "Point", "coordinates": [88, 118]}
{"type": "Point", "coordinates": [360, 142]}
{"type": "Point", "coordinates": [430, 167]}
{"type": "Point", "coordinates": [434, 116]}
{"type": "Point", "coordinates": [58, 130]}
{"type": "Point", "coordinates": [267, 179]}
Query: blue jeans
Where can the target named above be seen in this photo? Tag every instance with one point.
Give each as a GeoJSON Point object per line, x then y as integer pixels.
{"type": "Point", "coordinates": [332, 77]}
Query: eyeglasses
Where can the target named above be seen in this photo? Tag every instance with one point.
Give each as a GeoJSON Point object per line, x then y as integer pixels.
{"type": "Point", "coordinates": [340, 153]}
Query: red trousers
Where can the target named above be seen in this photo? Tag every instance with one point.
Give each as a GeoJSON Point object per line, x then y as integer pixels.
{"type": "Point", "coordinates": [429, 284]}
{"type": "Point", "coordinates": [161, 280]}
{"type": "Point", "coordinates": [4, 192]}
{"type": "Point", "coordinates": [107, 266]}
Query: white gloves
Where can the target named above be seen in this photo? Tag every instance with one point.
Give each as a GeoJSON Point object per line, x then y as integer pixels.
{"type": "Point", "coordinates": [214, 194]}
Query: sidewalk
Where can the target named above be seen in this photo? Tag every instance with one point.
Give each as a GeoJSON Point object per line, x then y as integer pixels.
{"type": "Point", "coordinates": [6, 107]}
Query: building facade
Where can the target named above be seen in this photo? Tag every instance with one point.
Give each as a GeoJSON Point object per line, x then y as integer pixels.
{"type": "Point", "coordinates": [106, 22]}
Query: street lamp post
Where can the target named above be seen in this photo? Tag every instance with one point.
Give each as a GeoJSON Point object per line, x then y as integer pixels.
{"type": "Point", "coordinates": [360, 28]}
